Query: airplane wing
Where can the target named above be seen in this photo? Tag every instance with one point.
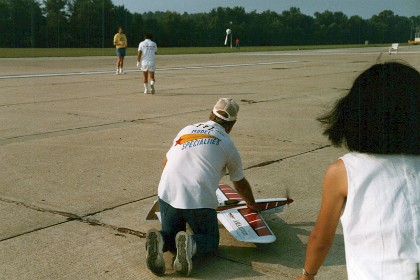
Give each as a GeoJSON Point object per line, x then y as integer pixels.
{"type": "Point", "coordinates": [229, 198]}
{"type": "Point", "coordinates": [225, 192]}
{"type": "Point", "coordinates": [246, 225]}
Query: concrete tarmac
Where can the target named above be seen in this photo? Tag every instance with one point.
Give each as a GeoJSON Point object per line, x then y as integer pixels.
{"type": "Point", "coordinates": [81, 156]}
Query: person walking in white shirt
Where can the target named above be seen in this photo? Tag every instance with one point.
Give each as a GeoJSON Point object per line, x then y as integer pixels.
{"type": "Point", "coordinates": [146, 60]}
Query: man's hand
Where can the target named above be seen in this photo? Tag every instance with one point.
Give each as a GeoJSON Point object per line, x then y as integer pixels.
{"type": "Point", "coordinates": [244, 190]}
{"type": "Point", "coordinates": [138, 64]}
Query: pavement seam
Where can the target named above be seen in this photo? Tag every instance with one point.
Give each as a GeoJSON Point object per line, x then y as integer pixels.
{"type": "Point", "coordinates": [117, 124]}
{"type": "Point", "coordinates": [47, 75]}
{"type": "Point", "coordinates": [73, 217]}
{"type": "Point", "coordinates": [265, 163]}
{"type": "Point", "coordinates": [276, 272]}
{"type": "Point", "coordinates": [69, 131]}
{"type": "Point", "coordinates": [94, 222]}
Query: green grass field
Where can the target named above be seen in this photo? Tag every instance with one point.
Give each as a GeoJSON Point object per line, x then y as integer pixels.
{"type": "Point", "coordinates": [78, 52]}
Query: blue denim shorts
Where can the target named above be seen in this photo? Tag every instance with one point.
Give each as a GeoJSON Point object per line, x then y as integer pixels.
{"type": "Point", "coordinates": [120, 51]}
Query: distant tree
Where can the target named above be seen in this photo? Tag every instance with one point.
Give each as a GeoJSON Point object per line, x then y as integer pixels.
{"type": "Point", "coordinates": [200, 31]}
{"type": "Point", "coordinates": [268, 30]}
{"type": "Point", "coordinates": [254, 34]}
{"type": "Point", "coordinates": [120, 16]}
{"type": "Point", "coordinates": [401, 29]}
{"type": "Point", "coordinates": [358, 30]}
{"type": "Point", "coordinates": [152, 25]}
{"type": "Point", "coordinates": [22, 23]}
{"type": "Point", "coordinates": [414, 26]}
{"type": "Point", "coordinates": [296, 28]}
{"type": "Point", "coordinates": [56, 28]}
{"type": "Point", "coordinates": [384, 27]}
{"type": "Point", "coordinates": [81, 22]}
{"type": "Point", "coordinates": [93, 23]}
{"type": "Point", "coordinates": [332, 28]}
{"type": "Point", "coordinates": [172, 37]}
{"type": "Point", "coordinates": [137, 29]}
{"type": "Point", "coordinates": [6, 24]}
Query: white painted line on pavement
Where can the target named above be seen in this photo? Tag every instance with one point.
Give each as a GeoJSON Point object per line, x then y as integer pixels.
{"type": "Point", "coordinates": [158, 69]}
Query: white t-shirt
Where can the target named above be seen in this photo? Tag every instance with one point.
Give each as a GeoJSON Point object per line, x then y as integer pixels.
{"type": "Point", "coordinates": [197, 160]}
{"type": "Point", "coordinates": [381, 220]}
{"type": "Point", "coordinates": [148, 50]}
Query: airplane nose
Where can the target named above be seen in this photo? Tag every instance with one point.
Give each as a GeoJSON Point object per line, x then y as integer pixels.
{"type": "Point", "coordinates": [289, 200]}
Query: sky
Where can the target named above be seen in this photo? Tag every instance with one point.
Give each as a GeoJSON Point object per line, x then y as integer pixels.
{"type": "Point", "coordinates": [364, 8]}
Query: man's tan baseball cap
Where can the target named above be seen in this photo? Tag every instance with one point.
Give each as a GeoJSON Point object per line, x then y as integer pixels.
{"type": "Point", "coordinates": [227, 105]}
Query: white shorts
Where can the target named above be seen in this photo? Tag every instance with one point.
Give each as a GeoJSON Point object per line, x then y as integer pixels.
{"type": "Point", "coordinates": [148, 66]}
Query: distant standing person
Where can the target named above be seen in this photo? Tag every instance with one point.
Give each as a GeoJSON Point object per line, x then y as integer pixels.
{"type": "Point", "coordinates": [120, 43]}
{"type": "Point", "coordinates": [237, 43]}
{"type": "Point", "coordinates": [146, 60]}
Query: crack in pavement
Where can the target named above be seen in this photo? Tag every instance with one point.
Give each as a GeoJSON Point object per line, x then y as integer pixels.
{"type": "Point", "coordinates": [115, 124]}
{"type": "Point", "coordinates": [97, 127]}
{"type": "Point", "coordinates": [74, 217]}
{"type": "Point", "coordinates": [272, 271]}
{"type": "Point", "coordinates": [265, 163]}
{"type": "Point", "coordinates": [94, 222]}
{"type": "Point", "coordinates": [87, 218]}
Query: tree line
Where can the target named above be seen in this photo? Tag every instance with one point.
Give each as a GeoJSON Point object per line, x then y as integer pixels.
{"type": "Point", "coordinates": [93, 23]}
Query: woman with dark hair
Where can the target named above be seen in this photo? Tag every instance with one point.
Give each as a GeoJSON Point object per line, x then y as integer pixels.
{"type": "Point", "coordinates": [375, 188]}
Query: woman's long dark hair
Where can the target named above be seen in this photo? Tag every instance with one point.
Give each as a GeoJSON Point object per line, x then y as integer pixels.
{"type": "Point", "coordinates": [381, 112]}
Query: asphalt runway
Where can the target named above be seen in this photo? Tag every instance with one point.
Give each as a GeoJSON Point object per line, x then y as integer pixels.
{"type": "Point", "coordinates": [82, 148]}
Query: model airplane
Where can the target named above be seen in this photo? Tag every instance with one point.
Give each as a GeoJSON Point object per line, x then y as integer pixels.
{"type": "Point", "coordinates": [243, 223]}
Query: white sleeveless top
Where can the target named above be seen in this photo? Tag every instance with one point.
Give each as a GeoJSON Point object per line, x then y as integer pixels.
{"type": "Point", "coordinates": [381, 219]}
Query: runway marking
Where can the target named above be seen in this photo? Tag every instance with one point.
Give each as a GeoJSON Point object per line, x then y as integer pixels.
{"type": "Point", "coordinates": [138, 70]}
{"type": "Point", "coordinates": [229, 65]}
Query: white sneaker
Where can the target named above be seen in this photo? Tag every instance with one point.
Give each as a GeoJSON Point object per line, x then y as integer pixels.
{"type": "Point", "coordinates": [154, 246]}
{"type": "Point", "coordinates": [184, 248]}
{"type": "Point", "coordinates": [146, 91]}
{"type": "Point", "coordinates": [122, 72]}
{"type": "Point", "coordinates": [118, 71]}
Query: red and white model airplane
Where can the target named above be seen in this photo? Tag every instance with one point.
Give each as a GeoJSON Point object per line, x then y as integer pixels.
{"type": "Point", "coordinates": [243, 223]}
